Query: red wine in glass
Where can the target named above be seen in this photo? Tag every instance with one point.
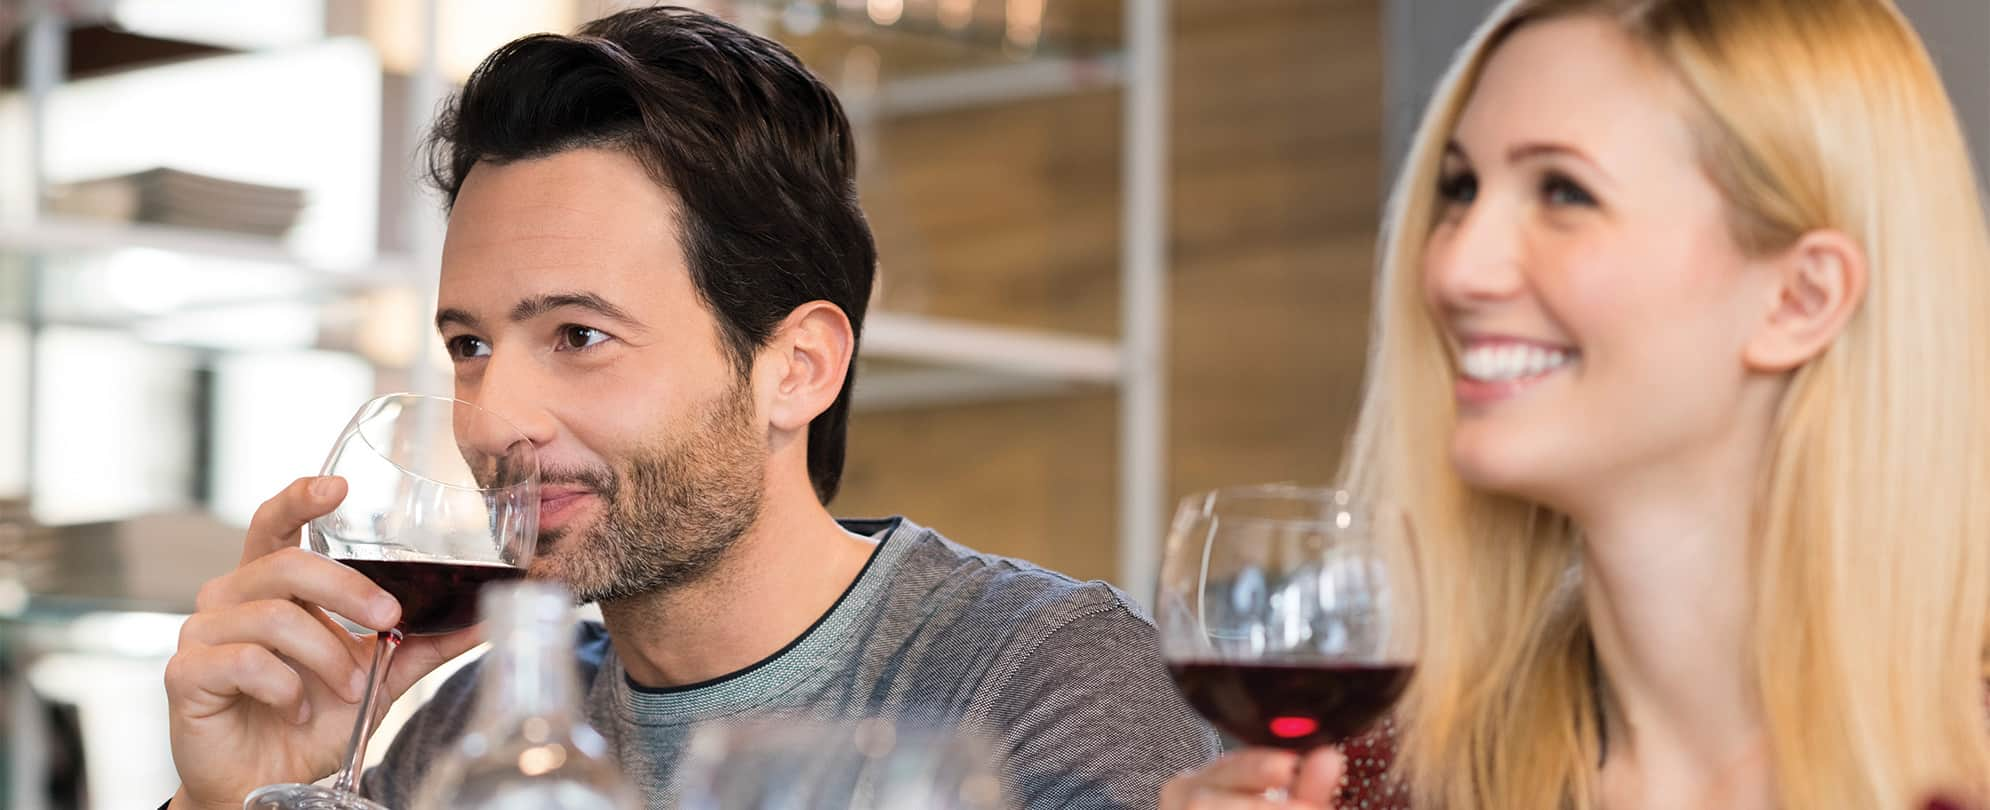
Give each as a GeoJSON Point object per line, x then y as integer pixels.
{"type": "Point", "coordinates": [1288, 614]}
{"type": "Point", "coordinates": [442, 497]}
{"type": "Point", "coordinates": [1295, 706]}
{"type": "Point", "coordinates": [436, 596]}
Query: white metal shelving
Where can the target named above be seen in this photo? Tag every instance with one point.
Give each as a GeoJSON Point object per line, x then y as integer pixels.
{"type": "Point", "coordinates": [54, 235]}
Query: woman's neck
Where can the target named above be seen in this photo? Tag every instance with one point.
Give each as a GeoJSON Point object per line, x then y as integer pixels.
{"type": "Point", "coordinates": [1667, 586]}
{"type": "Point", "coordinates": [1668, 606]}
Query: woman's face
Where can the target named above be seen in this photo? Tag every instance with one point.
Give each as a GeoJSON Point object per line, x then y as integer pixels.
{"type": "Point", "coordinates": [1583, 273]}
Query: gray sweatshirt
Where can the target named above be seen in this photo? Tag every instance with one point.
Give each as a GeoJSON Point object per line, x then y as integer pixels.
{"type": "Point", "coordinates": [1062, 677]}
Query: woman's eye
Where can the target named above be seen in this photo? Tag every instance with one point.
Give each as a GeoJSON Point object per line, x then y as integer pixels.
{"type": "Point", "coordinates": [574, 337]}
{"type": "Point", "coordinates": [1460, 188]}
{"type": "Point", "coordinates": [1560, 190]}
{"type": "Point", "coordinates": [464, 347]}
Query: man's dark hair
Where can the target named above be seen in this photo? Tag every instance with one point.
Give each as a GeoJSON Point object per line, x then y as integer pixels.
{"type": "Point", "coordinates": [756, 148]}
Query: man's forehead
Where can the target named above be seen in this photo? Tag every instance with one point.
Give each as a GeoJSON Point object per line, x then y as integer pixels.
{"type": "Point", "coordinates": [641, 284]}
{"type": "Point", "coordinates": [586, 224]}
{"type": "Point", "coordinates": [582, 183]}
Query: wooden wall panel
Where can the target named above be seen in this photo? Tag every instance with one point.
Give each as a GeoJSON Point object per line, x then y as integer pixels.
{"type": "Point", "coordinates": [1011, 215]}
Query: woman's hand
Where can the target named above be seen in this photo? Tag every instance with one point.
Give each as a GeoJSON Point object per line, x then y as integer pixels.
{"type": "Point", "coordinates": [1252, 779]}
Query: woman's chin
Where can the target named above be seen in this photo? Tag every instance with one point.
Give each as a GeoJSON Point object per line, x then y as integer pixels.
{"type": "Point", "coordinates": [1499, 468]}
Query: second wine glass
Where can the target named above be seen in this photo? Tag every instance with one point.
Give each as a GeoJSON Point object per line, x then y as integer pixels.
{"type": "Point", "coordinates": [1288, 615]}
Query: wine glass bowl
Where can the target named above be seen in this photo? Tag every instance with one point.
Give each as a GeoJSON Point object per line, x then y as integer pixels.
{"type": "Point", "coordinates": [442, 497]}
{"type": "Point", "coordinates": [1288, 615]}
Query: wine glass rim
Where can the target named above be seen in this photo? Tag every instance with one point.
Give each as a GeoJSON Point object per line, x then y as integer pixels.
{"type": "Point", "coordinates": [380, 401]}
{"type": "Point", "coordinates": [1343, 500]}
{"type": "Point", "coordinates": [1288, 659]}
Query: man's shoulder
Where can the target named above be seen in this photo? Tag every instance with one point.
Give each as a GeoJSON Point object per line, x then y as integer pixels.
{"type": "Point", "coordinates": [945, 576]}
{"type": "Point", "coordinates": [1064, 675]}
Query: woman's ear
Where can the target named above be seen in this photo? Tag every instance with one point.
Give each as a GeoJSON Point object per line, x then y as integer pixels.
{"type": "Point", "coordinates": [1818, 285]}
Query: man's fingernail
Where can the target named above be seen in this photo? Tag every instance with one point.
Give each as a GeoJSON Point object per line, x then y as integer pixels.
{"type": "Point", "coordinates": [357, 684]}
{"type": "Point", "coordinates": [303, 712]}
{"type": "Point", "coordinates": [323, 487]}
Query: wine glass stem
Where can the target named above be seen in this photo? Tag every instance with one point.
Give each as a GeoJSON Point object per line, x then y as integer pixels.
{"type": "Point", "coordinates": [384, 646]}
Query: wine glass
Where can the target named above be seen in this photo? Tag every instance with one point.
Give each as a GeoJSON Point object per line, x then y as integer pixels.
{"type": "Point", "coordinates": [442, 497]}
{"type": "Point", "coordinates": [1288, 615]}
{"type": "Point", "coordinates": [876, 763]}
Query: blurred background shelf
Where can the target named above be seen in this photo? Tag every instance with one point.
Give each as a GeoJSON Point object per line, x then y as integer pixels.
{"type": "Point", "coordinates": [69, 236]}
{"type": "Point", "coordinates": [972, 87]}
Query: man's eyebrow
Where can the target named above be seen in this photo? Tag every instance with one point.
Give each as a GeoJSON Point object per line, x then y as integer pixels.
{"type": "Point", "coordinates": [537, 305]}
{"type": "Point", "coordinates": [456, 316]}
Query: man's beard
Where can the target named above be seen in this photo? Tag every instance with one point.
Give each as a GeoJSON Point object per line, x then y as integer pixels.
{"type": "Point", "coordinates": [668, 516]}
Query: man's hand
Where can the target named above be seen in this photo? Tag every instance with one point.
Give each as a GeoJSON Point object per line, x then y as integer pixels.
{"type": "Point", "coordinates": [265, 685]}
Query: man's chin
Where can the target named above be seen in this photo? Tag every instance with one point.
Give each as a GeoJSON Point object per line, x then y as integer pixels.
{"type": "Point", "coordinates": [550, 562]}
{"type": "Point", "coordinates": [558, 561]}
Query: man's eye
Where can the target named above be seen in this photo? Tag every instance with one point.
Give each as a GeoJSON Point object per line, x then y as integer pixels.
{"type": "Point", "coordinates": [464, 347]}
{"type": "Point", "coordinates": [574, 337]}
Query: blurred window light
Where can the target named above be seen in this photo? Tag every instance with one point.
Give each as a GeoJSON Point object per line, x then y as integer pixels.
{"type": "Point", "coordinates": [116, 285]}
{"type": "Point", "coordinates": [112, 416]}
{"type": "Point", "coordinates": [956, 14]}
{"type": "Point", "coordinates": [1025, 23]}
{"type": "Point", "coordinates": [244, 327]}
{"type": "Point", "coordinates": [466, 30]}
{"type": "Point", "coordinates": [225, 23]}
{"type": "Point", "coordinates": [147, 280]}
{"type": "Point", "coordinates": [886, 12]}
{"type": "Point", "coordinates": [127, 634]}
{"type": "Point", "coordinates": [276, 415]}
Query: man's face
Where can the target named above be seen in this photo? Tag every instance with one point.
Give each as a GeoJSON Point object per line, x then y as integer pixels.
{"type": "Point", "coordinates": [567, 306]}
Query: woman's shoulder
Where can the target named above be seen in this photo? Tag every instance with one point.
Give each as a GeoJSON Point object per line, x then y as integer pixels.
{"type": "Point", "coordinates": [1369, 784]}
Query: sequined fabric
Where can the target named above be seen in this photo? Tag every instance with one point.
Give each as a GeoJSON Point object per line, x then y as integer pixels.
{"type": "Point", "coordinates": [1368, 785]}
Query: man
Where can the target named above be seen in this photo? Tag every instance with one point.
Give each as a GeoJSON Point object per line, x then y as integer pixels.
{"type": "Point", "coordinates": [656, 267]}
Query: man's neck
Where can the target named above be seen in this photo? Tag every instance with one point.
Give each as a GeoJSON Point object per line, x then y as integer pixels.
{"type": "Point", "coordinates": [781, 577]}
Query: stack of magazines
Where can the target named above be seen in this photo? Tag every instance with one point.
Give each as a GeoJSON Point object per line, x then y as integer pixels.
{"type": "Point", "coordinates": [187, 199]}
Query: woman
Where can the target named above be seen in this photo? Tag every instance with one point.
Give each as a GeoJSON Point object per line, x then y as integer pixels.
{"type": "Point", "coordinates": [1681, 370]}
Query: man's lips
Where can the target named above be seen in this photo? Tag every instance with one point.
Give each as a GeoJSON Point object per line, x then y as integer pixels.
{"type": "Point", "coordinates": [557, 504]}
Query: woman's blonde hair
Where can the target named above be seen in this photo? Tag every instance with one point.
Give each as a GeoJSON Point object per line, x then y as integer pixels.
{"type": "Point", "coordinates": [1872, 535]}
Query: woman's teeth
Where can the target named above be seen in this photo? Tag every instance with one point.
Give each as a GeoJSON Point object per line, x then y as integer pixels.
{"type": "Point", "coordinates": [1510, 361]}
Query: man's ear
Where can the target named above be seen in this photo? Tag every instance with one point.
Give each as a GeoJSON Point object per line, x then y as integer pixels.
{"type": "Point", "coordinates": [806, 362]}
{"type": "Point", "coordinates": [1818, 285]}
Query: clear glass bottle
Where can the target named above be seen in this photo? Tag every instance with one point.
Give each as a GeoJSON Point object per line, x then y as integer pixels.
{"type": "Point", "coordinates": [528, 746]}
